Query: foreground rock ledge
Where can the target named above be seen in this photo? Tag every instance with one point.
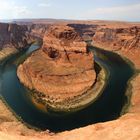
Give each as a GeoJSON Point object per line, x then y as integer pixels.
{"type": "Point", "coordinates": [61, 72]}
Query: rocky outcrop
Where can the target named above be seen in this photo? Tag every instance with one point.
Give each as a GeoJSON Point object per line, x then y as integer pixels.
{"type": "Point", "coordinates": [13, 35]}
{"type": "Point", "coordinates": [118, 38]}
{"type": "Point", "coordinates": [20, 36]}
{"type": "Point", "coordinates": [62, 70]}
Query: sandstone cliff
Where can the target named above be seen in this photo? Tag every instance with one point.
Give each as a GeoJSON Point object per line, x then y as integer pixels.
{"type": "Point", "coordinates": [13, 35]}
{"type": "Point", "coordinates": [16, 37]}
{"type": "Point", "coordinates": [20, 36]}
{"type": "Point", "coordinates": [119, 38]}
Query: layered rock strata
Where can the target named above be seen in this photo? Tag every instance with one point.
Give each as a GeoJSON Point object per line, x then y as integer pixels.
{"type": "Point", "coordinates": [62, 70]}
{"type": "Point", "coordinates": [13, 35]}
{"type": "Point", "coordinates": [127, 38]}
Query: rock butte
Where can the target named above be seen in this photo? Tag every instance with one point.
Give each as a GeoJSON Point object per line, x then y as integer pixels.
{"type": "Point", "coordinates": [125, 127]}
{"type": "Point", "coordinates": [61, 70]}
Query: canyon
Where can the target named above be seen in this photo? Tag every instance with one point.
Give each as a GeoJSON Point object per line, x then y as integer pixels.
{"type": "Point", "coordinates": [14, 37]}
{"type": "Point", "coordinates": [121, 38]}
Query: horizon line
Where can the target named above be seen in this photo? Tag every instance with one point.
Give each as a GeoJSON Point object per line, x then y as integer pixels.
{"type": "Point", "coordinates": [14, 19]}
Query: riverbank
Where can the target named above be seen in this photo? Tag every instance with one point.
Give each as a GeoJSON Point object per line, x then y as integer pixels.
{"type": "Point", "coordinates": [10, 124]}
{"type": "Point", "coordinates": [79, 102]}
{"type": "Point", "coordinates": [8, 119]}
{"type": "Point", "coordinates": [128, 92]}
{"type": "Point", "coordinates": [130, 57]}
{"type": "Point", "coordinates": [6, 53]}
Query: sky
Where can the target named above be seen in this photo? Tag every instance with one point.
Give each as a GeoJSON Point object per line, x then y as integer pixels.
{"type": "Point", "coordinates": [122, 10]}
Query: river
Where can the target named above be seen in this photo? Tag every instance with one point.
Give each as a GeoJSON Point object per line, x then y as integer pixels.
{"type": "Point", "coordinates": [107, 107]}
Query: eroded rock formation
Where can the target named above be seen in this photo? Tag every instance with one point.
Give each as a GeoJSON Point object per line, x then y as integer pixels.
{"type": "Point", "coordinates": [16, 37]}
{"type": "Point", "coordinates": [20, 36]}
{"type": "Point", "coordinates": [62, 71]}
{"type": "Point", "coordinates": [13, 35]}
{"type": "Point", "coordinates": [119, 38]}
